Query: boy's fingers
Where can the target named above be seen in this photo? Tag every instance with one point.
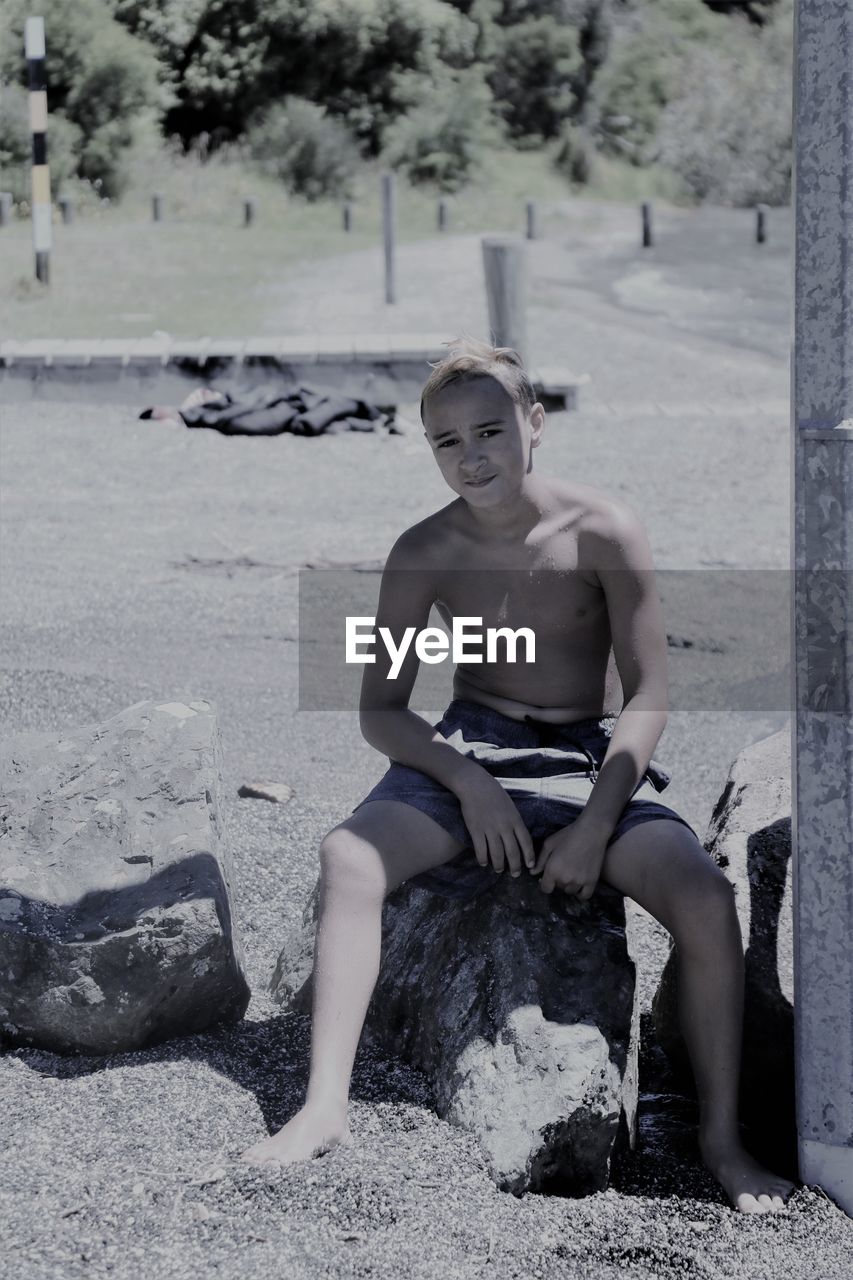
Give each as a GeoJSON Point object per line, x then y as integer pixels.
{"type": "Point", "coordinates": [481, 851]}
{"type": "Point", "coordinates": [541, 860]}
{"type": "Point", "coordinates": [526, 845]}
{"type": "Point", "coordinates": [496, 852]}
{"type": "Point", "coordinates": [512, 849]}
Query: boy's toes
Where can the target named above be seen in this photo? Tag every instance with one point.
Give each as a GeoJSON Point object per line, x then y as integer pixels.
{"type": "Point", "coordinates": [746, 1203]}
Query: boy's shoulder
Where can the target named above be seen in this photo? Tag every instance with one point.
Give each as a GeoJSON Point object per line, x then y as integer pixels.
{"type": "Point", "coordinates": [589, 512]}
{"type": "Point", "coordinates": [426, 541]}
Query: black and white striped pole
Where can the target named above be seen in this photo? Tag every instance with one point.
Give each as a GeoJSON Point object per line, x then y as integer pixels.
{"type": "Point", "coordinates": [34, 51]}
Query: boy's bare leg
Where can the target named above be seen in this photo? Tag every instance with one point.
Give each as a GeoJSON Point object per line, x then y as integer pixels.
{"type": "Point", "coordinates": [663, 867]}
{"type": "Point", "coordinates": [362, 860]}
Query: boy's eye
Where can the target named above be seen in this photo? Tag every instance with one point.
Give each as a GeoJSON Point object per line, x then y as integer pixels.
{"type": "Point", "coordinates": [486, 431]}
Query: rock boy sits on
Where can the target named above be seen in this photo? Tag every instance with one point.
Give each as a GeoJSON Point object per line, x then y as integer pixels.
{"type": "Point", "coordinates": [521, 549]}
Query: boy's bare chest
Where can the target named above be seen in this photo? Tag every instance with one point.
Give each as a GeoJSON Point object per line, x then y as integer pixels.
{"type": "Point", "coordinates": [544, 586]}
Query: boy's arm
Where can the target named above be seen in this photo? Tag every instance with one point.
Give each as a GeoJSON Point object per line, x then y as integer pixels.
{"type": "Point", "coordinates": [405, 599]}
{"type": "Point", "coordinates": [498, 834]}
{"type": "Point", "coordinates": [620, 553]}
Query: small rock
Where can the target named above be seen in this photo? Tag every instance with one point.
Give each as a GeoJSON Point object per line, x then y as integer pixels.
{"type": "Point", "coordinates": [277, 792]}
{"type": "Point", "coordinates": [215, 1174]}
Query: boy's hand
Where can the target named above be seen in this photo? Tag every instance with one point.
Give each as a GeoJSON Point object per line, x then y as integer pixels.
{"type": "Point", "coordinates": [571, 860]}
{"type": "Point", "coordinates": [497, 831]}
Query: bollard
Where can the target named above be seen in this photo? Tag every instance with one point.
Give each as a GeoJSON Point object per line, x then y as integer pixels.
{"type": "Point", "coordinates": [442, 214]}
{"type": "Point", "coordinates": [66, 208]}
{"type": "Point", "coordinates": [248, 212]}
{"type": "Point", "coordinates": [647, 225]}
{"type": "Point", "coordinates": [532, 220]}
{"type": "Point", "coordinates": [348, 216]}
{"type": "Point", "coordinates": [157, 207]}
{"type": "Point", "coordinates": [42, 213]}
{"type": "Point", "coordinates": [506, 289]}
{"type": "Point", "coordinates": [389, 232]}
{"type": "Point", "coordinates": [5, 208]}
{"type": "Point", "coordinates": [760, 223]}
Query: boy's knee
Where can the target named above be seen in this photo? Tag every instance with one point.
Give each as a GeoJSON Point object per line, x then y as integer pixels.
{"type": "Point", "coordinates": [718, 893]}
{"type": "Point", "coordinates": [705, 901]}
{"type": "Point", "coordinates": [344, 860]}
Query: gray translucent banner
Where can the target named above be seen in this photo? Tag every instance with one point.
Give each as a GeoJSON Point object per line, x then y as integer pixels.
{"type": "Point", "coordinates": [728, 633]}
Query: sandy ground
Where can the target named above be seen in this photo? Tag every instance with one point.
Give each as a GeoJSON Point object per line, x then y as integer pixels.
{"type": "Point", "coordinates": [148, 561]}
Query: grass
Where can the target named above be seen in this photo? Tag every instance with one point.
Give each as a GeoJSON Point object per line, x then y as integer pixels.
{"type": "Point", "coordinates": [115, 273]}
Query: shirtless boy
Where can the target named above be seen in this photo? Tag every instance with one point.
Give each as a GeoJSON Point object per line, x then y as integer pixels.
{"type": "Point", "coordinates": [521, 549]}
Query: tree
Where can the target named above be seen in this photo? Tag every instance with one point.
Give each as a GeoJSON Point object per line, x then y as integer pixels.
{"type": "Point", "coordinates": [99, 78]}
{"type": "Point", "coordinates": [531, 76]}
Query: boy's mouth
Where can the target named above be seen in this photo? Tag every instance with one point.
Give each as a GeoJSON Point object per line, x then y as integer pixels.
{"type": "Point", "coordinates": [478, 484]}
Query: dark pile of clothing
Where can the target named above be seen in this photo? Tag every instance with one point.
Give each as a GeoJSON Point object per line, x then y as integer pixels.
{"type": "Point", "coordinates": [269, 411]}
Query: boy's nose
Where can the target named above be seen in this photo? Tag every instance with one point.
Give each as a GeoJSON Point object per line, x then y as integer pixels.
{"type": "Point", "coordinates": [472, 457]}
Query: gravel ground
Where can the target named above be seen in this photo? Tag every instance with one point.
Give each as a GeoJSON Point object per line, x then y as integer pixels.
{"type": "Point", "coordinates": [141, 560]}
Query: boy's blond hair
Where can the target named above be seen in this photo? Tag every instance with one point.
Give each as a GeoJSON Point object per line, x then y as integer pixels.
{"type": "Point", "coordinates": [469, 357]}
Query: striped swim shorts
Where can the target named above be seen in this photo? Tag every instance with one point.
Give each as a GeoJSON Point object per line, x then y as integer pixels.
{"type": "Point", "coordinates": [548, 770]}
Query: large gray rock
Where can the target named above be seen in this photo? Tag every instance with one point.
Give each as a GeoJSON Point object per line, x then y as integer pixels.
{"type": "Point", "coordinates": [520, 1009]}
{"type": "Point", "coordinates": [116, 928]}
{"type": "Point", "coordinates": [749, 837]}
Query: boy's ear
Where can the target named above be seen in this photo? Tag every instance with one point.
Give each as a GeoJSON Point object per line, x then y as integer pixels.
{"type": "Point", "coordinates": [537, 423]}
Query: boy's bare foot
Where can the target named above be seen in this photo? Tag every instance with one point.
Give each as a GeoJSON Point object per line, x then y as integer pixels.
{"type": "Point", "coordinates": [750, 1187]}
{"type": "Point", "coordinates": [311, 1132]}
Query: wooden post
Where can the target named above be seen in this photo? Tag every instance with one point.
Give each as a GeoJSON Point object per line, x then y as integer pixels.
{"type": "Point", "coordinates": [157, 207]}
{"type": "Point", "coordinates": [506, 289]}
{"type": "Point", "coordinates": [442, 214]}
{"type": "Point", "coordinates": [822, 561]}
{"type": "Point", "coordinates": [42, 213]}
{"type": "Point", "coordinates": [389, 234]}
{"type": "Point", "coordinates": [648, 238]}
{"type": "Point", "coordinates": [66, 209]}
{"type": "Point", "coordinates": [532, 220]}
{"type": "Point", "coordinates": [347, 216]}
{"type": "Point", "coordinates": [248, 212]}
{"type": "Point", "coordinates": [760, 223]}
{"type": "Point", "coordinates": [5, 208]}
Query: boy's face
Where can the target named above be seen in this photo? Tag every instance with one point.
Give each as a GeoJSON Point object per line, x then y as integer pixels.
{"type": "Point", "coordinates": [482, 439]}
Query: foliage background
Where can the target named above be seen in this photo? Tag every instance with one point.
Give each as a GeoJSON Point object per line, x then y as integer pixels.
{"type": "Point", "coordinates": [310, 91]}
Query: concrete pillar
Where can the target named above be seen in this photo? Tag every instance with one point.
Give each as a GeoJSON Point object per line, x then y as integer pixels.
{"type": "Point", "coordinates": [822, 467]}
{"type": "Point", "coordinates": [504, 265]}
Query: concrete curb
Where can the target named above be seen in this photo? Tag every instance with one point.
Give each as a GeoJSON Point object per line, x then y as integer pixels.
{"type": "Point", "coordinates": [387, 369]}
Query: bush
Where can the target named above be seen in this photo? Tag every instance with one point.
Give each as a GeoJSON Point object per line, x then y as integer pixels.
{"type": "Point", "coordinates": [228, 60]}
{"type": "Point", "coordinates": [727, 132]}
{"type": "Point", "coordinates": [441, 137]}
{"type": "Point", "coordinates": [311, 153]}
{"type": "Point", "coordinates": [16, 148]}
{"type": "Point", "coordinates": [631, 93]}
{"type": "Point", "coordinates": [641, 74]}
{"type": "Point", "coordinates": [532, 76]}
{"type": "Point", "coordinates": [99, 78]}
